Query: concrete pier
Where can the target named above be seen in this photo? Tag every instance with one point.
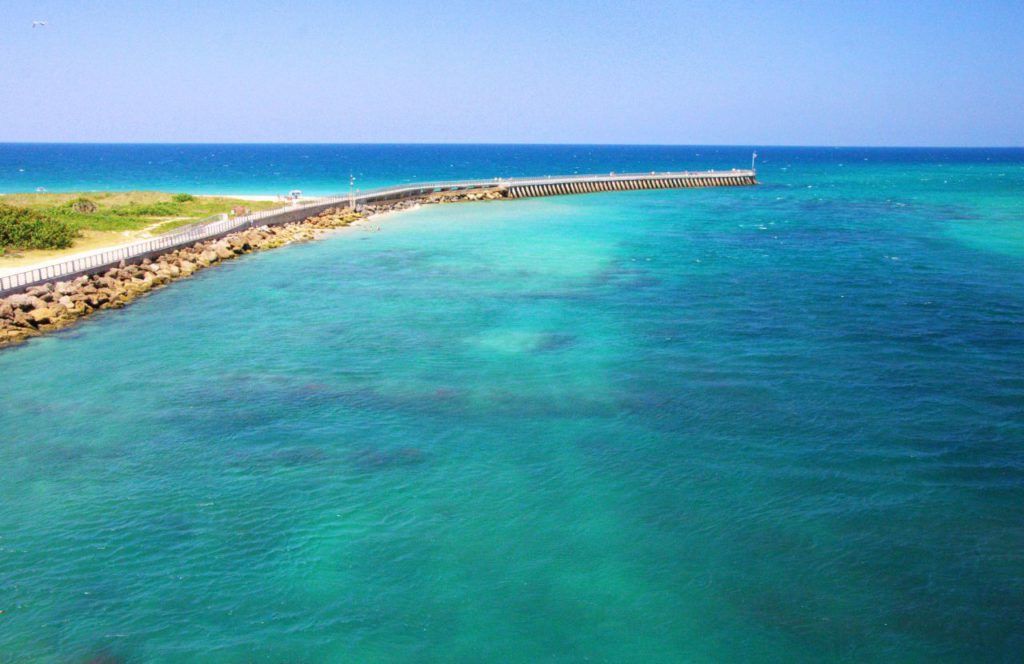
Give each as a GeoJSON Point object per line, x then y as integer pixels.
{"type": "Point", "coordinates": [561, 186]}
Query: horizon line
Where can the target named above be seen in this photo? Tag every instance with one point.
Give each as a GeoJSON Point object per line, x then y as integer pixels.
{"type": "Point", "coordinates": [535, 144]}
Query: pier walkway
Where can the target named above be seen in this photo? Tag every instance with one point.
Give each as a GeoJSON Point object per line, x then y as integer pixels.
{"type": "Point", "coordinates": [92, 262]}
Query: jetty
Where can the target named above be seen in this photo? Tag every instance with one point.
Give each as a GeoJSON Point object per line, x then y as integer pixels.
{"type": "Point", "coordinates": [95, 262]}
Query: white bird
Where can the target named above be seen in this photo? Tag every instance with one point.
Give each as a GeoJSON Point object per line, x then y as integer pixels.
{"type": "Point", "coordinates": [38, 24]}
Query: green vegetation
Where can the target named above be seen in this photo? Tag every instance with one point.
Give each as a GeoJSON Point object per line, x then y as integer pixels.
{"type": "Point", "coordinates": [22, 228]}
{"type": "Point", "coordinates": [83, 205]}
{"type": "Point", "coordinates": [49, 218]}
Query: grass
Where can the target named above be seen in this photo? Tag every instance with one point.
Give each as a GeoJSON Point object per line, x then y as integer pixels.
{"type": "Point", "coordinates": [128, 210]}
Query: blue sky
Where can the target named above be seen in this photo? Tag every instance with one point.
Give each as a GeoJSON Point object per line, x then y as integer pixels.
{"type": "Point", "coordinates": [721, 72]}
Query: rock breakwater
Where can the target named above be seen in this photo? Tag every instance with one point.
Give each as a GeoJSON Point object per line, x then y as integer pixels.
{"type": "Point", "coordinates": [469, 195]}
{"type": "Point", "coordinates": [55, 305]}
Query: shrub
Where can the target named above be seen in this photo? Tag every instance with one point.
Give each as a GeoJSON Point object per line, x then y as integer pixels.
{"type": "Point", "coordinates": [183, 198]}
{"type": "Point", "coordinates": [21, 228]}
{"type": "Point", "coordinates": [84, 206]}
{"type": "Point", "coordinates": [166, 209]}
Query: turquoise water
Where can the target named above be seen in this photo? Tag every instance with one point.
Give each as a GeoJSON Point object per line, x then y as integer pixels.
{"type": "Point", "coordinates": [782, 423]}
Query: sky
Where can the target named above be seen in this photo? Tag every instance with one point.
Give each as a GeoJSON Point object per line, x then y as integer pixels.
{"type": "Point", "coordinates": [925, 73]}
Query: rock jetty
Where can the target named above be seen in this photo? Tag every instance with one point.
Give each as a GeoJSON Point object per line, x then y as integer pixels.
{"type": "Point", "coordinates": [55, 305]}
{"type": "Point", "coordinates": [469, 195]}
{"type": "Point", "coordinates": [52, 306]}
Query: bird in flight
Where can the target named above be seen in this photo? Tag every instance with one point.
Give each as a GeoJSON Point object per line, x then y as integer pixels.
{"type": "Point", "coordinates": [38, 24]}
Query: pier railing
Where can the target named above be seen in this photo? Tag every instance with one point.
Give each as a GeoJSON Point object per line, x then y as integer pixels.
{"type": "Point", "coordinates": [208, 229]}
{"type": "Point", "coordinates": [99, 260]}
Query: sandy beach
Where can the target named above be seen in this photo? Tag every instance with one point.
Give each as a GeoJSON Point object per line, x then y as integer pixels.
{"type": "Point", "coordinates": [275, 198]}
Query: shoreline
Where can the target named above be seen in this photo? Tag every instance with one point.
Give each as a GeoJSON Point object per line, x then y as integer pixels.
{"type": "Point", "coordinates": [272, 198]}
{"type": "Point", "coordinates": [55, 305]}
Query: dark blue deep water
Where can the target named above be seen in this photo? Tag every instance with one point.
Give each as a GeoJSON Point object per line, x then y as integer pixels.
{"type": "Point", "coordinates": [780, 424]}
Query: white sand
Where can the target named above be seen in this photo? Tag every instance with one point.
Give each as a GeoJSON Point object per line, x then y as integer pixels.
{"type": "Point", "coordinates": [256, 197]}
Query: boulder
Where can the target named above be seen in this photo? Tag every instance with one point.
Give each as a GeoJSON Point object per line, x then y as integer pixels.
{"type": "Point", "coordinates": [12, 336]}
{"type": "Point", "coordinates": [22, 301]}
{"type": "Point", "coordinates": [41, 316]}
{"type": "Point", "coordinates": [131, 291]}
{"type": "Point", "coordinates": [238, 244]}
{"type": "Point", "coordinates": [21, 319]}
{"type": "Point", "coordinates": [98, 299]}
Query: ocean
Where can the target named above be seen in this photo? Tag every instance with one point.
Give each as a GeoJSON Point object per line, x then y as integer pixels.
{"type": "Point", "coordinates": [782, 423]}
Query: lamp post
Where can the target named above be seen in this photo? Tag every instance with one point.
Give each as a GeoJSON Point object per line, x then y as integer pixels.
{"type": "Point", "coordinates": [351, 195]}
{"type": "Point", "coordinates": [753, 158]}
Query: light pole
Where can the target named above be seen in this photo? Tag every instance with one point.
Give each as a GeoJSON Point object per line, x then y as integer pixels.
{"type": "Point", "coordinates": [351, 194]}
{"type": "Point", "coordinates": [753, 158]}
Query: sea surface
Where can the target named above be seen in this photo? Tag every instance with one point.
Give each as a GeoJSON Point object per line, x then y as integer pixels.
{"type": "Point", "coordinates": [770, 424]}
